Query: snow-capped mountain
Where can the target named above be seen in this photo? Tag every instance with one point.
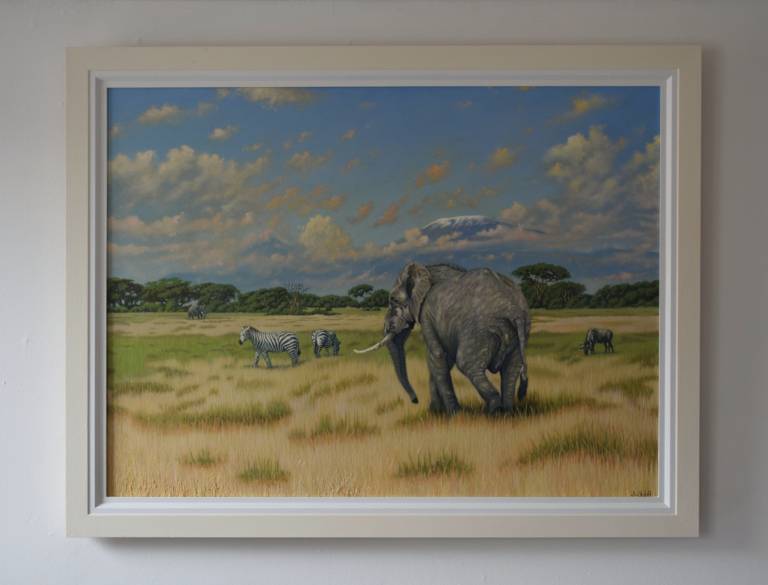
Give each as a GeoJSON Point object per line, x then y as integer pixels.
{"type": "Point", "coordinates": [466, 225]}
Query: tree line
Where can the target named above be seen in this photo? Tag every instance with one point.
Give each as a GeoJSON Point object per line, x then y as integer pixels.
{"type": "Point", "coordinates": [545, 286]}
{"type": "Point", "coordinates": [175, 294]}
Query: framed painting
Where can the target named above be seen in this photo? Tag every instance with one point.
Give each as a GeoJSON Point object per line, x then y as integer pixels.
{"type": "Point", "coordinates": [446, 291]}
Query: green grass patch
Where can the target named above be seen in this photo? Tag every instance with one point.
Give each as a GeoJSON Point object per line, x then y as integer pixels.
{"type": "Point", "coordinates": [633, 389]}
{"type": "Point", "coordinates": [533, 405]}
{"type": "Point", "coordinates": [171, 372]}
{"type": "Point", "coordinates": [247, 414]}
{"type": "Point", "coordinates": [185, 404]}
{"type": "Point", "coordinates": [592, 441]}
{"type": "Point", "coordinates": [242, 384]}
{"type": "Point", "coordinates": [343, 385]}
{"type": "Point", "coordinates": [138, 387]}
{"type": "Point", "coordinates": [264, 470]}
{"type": "Point", "coordinates": [388, 406]}
{"type": "Point", "coordinates": [301, 390]}
{"type": "Point", "coordinates": [186, 390]}
{"type": "Point", "coordinates": [344, 427]}
{"type": "Point", "coordinates": [201, 458]}
{"type": "Point", "coordinates": [428, 464]}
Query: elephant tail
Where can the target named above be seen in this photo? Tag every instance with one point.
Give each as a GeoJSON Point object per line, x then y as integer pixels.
{"type": "Point", "coordinates": [522, 341]}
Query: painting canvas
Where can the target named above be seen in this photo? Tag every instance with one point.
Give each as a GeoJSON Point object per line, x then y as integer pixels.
{"type": "Point", "coordinates": [383, 291]}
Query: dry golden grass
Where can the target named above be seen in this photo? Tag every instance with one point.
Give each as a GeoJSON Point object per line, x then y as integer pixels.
{"type": "Point", "coordinates": [589, 428]}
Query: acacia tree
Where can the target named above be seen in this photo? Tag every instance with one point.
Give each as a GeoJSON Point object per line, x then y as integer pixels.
{"type": "Point", "coordinates": [537, 278]}
{"type": "Point", "coordinates": [561, 294]}
{"type": "Point", "coordinates": [169, 293]}
{"type": "Point", "coordinates": [123, 293]}
{"type": "Point", "coordinates": [360, 291]}
{"type": "Point", "coordinates": [296, 291]}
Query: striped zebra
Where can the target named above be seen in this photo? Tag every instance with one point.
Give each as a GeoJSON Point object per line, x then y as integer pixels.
{"type": "Point", "coordinates": [324, 339]}
{"type": "Point", "coordinates": [265, 342]}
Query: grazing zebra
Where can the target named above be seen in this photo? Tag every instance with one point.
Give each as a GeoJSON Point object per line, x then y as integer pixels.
{"type": "Point", "coordinates": [327, 340]}
{"type": "Point", "coordinates": [271, 341]}
{"type": "Point", "coordinates": [595, 336]}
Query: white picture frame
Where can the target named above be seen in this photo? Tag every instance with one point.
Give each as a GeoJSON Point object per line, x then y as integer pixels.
{"type": "Point", "coordinates": [675, 512]}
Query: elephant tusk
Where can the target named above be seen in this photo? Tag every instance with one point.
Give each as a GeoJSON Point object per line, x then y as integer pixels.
{"type": "Point", "coordinates": [384, 340]}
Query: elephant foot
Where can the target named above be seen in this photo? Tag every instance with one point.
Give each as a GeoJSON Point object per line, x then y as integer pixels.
{"type": "Point", "coordinates": [436, 407]}
{"type": "Point", "coordinates": [493, 406]}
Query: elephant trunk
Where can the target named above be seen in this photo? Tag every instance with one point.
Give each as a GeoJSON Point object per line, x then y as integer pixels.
{"type": "Point", "coordinates": [396, 347]}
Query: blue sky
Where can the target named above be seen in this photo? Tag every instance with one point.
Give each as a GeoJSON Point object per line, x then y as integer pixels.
{"type": "Point", "coordinates": [334, 186]}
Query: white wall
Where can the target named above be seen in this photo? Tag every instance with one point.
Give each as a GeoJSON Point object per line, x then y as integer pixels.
{"type": "Point", "coordinates": [733, 546]}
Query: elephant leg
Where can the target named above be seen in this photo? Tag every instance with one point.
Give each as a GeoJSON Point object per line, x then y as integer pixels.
{"type": "Point", "coordinates": [439, 364]}
{"type": "Point", "coordinates": [267, 359]}
{"type": "Point", "coordinates": [473, 360]}
{"type": "Point", "coordinates": [435, 399]}
{"type": "Point", "coordinates": [440, 375]}
{"type": "Point", "coordinates": [510, 372]}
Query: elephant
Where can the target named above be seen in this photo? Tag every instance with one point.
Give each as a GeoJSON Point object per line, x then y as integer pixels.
{"type": "Point", "coordinates": [477, 320]}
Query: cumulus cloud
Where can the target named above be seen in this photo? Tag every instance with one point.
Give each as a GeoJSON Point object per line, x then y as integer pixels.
{"type": "Point", "coordinates": [304, 136]}
{"type": "Point", "coordinates": [253, 147]}
{"type": "Point", "coordinates": [183, 174]}
{"type": "Point", "coordinates": [274, 97]}
{"type": "Point", "coordinates": [349, 134]}
{"type": "Point", "coordinates": [306, 161]}
{"type": "Point", "coordinates": [391, 213]}
{"type": "Point", "coordinates": [224, 133]}
{"type": "Point", "coordinates": [115, 131]}
{"type": "Point", "coordinates": [502, 157]}
{"type": "Point", "coordinates": [303, 203]}
{"type": "Point", "coordinates": [325, 240]}
{"type": "Point", "coordinates": [172, 114]}
{"type": "Point", "coordinates": [362, 212]}
{"type": "Point", "coordinates": [584, 165]}
{"type": "Point", "coordinates": [582, 104]}
{"type": "Point", "coordinates": [161, 114]}
{"type": "Point", "coordinates": [176, 225]}
{"type": "Point", "coordinates": [515, 213]}
{"type": "Point", "coordinates": [433, 173]}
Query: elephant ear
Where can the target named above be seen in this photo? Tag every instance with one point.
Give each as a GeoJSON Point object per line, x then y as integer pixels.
{"type": "Point", "coordinates": [417, 283]}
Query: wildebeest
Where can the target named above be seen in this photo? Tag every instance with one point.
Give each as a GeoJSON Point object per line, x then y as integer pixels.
{"type": "Point", "coordinates": [595, 336]}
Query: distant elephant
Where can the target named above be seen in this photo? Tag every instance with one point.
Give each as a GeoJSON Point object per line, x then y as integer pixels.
{"type": "Point", "coordinates": [476, 319]}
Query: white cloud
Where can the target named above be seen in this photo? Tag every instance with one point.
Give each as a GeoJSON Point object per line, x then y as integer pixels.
{"type": "Point", "coordinates": [349, 134]}
{"type": "Point", "coordinates": [224, 133]}
{"type": "Point", "coordinates": [161, 114]}
{"type": "Point", "coordinates": [183, 174]}
{"type": "Point", "coordinates": [502, 157]}
{"type": "Point", "coordinates": [324, 240]}
{"type": "Point", "coordinates": [273, 97]}
{"type": "Point", "coordinates": [305, 161]}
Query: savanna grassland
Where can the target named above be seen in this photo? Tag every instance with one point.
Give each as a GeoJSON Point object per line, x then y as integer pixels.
{"type": "Point", "coordinates": [189, 416]}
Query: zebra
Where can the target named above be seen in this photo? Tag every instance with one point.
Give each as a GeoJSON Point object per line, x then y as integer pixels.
{"type": "Point", "coordinates": [327, 340]}
{"type": "Point", "coordinates": [595, 336]}
{"type": "Point", "coordinates": [271, 341]}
